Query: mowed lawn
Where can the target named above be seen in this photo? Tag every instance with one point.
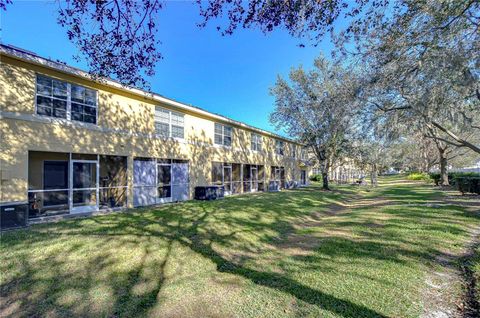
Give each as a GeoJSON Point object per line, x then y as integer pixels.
{"type": "Point", "coordinates": [305, 252]}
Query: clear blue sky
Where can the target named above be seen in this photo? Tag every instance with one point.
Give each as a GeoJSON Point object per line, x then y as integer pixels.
{"type": "Point", "coordinates": [228, 75]}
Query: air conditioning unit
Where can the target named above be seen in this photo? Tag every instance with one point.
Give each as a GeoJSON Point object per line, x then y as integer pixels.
{"type": "Point", "coordinates": [13, 215]}
{"type": "Point", "coordinates": [209, 192]}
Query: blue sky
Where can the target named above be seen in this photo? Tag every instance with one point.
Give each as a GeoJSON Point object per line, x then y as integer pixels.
{"type": "Point", "coordinates": [227, 75]}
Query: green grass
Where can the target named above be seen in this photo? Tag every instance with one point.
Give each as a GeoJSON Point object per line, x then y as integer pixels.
{"type": "Point", "coordinates": [475, 267]}
{"type": "Point", "coordinates": [284, 254]}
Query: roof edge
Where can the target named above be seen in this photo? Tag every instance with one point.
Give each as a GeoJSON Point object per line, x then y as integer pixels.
{"type": "Point", "coordinates": [31, 57]}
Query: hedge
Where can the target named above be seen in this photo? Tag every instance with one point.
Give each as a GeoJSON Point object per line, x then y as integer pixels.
{"type": "Point", "coordinates": [316, 177]}
{"type": "Point", "coordinates": [468, 184]}
{"type": "Point", "coordinates": [436, 177]}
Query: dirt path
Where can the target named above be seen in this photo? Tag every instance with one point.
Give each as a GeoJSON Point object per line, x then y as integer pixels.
{"type": "Point", "coordinates": [440, 298]}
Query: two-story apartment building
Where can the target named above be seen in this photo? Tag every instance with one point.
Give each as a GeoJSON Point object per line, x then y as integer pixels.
{"type": "Point", "coordinates": [70, 144]}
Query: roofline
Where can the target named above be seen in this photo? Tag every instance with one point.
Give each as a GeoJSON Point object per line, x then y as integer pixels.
{"type": "Point", "coordinates": [31, 57]}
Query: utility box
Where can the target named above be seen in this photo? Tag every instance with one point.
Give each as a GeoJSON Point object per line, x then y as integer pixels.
{"type": "Point", "coordinates": [209, 192]}
{"type": "Point", "coordinates": [13, 215]}
{"type": "Point", "coordinates": [274, 186]}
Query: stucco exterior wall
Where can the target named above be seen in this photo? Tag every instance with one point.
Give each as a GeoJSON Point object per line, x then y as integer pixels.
{"type": "Point", "coordinates": [125, 128]}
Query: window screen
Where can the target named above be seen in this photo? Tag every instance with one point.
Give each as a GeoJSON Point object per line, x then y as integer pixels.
{"type": "Point", "coordinates": [223, 135]}
{"type": "Point", "coordinates": [60, 99]}
{"type": "Point", "coordinates": [256, 142]}
{"type": "Point", "coordinates": [84, 104]}
{"type": "Point", "coordinates": [55, 175]}
{"type": "Point", "coordinates": [51, 97]}
{"type": "Point", "coordinates": [168, 123]}
{"type": "Point", "coordinates": [279, 147]}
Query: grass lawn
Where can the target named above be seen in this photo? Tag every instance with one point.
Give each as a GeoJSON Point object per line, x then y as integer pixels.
{"type": "Point", "coordinates": [305, 252]}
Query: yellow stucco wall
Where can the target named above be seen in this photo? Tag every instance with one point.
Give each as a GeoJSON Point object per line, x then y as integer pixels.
{"type": "Point", "coordinates": [125, 127]}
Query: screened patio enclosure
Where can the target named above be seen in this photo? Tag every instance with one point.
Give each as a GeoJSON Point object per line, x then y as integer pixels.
{"type": "Point", "coordinates": [253, 178]}
{"type": "Point", "coordinates": [61, 183]}
{"type": "Point", "coordinates": [158, 181]}
{"type": "Point", "coordinates": [228, 175]}
{"type": "Point", "coordinates": [238, 178]}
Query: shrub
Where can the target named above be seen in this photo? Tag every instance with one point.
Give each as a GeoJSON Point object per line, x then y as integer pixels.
{"type": "Point", "coordinates": [435, 177]}
{"type": "Point", "coordinates": [419, 176]}
{"type": "Point", "coordinates": [468, 184]}
{"type": "Point", "coordinates": [452, 176]}
{"type": "Point", "coordinates": [316, 177]}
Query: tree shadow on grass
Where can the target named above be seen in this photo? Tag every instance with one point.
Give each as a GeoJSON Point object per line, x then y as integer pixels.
{"type": "Point", "coordinates": [214, 230]}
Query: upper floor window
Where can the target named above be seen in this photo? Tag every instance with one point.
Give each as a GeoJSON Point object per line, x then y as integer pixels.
{"type": "Point", "coordinates": [293, 149]}
{"type": "Point", "coordinates": [279, 147]}
{"type": "Point", "coordinates": [256, 142]}
{"type": "Point", "coordinates": [304, 153]}
{"type": "Point", "coordinates": [169, 123]}
{"type": "Point", "coordinates": [60, 99]}
{"type": "Point", "coordinates": [223, 135]}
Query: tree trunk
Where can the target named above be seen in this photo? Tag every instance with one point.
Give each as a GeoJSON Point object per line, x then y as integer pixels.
{"type": "Point", "coordinates": [325, 168]}
{"type": "Point", "coordinates": [325, 180]}
{"type": "Point", "coordinates": [443, 167]}
{"type": "Point", "coordinates": [373, 176]}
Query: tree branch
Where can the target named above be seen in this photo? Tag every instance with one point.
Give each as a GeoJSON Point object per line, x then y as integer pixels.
{"type": "Point", "coordinates": [457, 139]}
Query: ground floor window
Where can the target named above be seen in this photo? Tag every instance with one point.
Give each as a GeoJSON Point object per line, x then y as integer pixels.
{"type": "Point", "coordinates": [68, 182]}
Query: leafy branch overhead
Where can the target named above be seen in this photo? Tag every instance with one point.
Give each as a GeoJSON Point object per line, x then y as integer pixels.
{"type": "Point", "coordinates": [307, 18]}
{"type": "Point", "coordinates": [117, 37]}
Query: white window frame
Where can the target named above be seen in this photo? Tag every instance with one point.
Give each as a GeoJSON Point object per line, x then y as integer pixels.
{"type": "Point", "coordinates": [293, 149]}
{"type": "Point", "coordinates": [68, 100]}
{"type": "Point", "coordinates": [223, 135]}
{"type": "Point", "coordinates": [256, 142]}
{"type": "Point", "coordinates": [170, 112]}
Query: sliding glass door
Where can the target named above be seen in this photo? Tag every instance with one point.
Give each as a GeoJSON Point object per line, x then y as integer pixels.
{"type": "Point", "coordinates": [164, 181]}
{"type": "Point", "coordinates": [227, 179]}
{"type": "Point", "coordinates": [254, 178]}
{"type": "Point", "coordinates": [84, 185]}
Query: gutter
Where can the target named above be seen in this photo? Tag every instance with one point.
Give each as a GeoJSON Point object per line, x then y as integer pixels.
{"type": "Point", "coordinates": [31, 57]}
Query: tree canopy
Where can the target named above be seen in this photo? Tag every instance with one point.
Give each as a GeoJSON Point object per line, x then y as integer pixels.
{"type": "Point", "coordinates": [317, 107]}
{"type": "Point", "coordinates": [419, 62]}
